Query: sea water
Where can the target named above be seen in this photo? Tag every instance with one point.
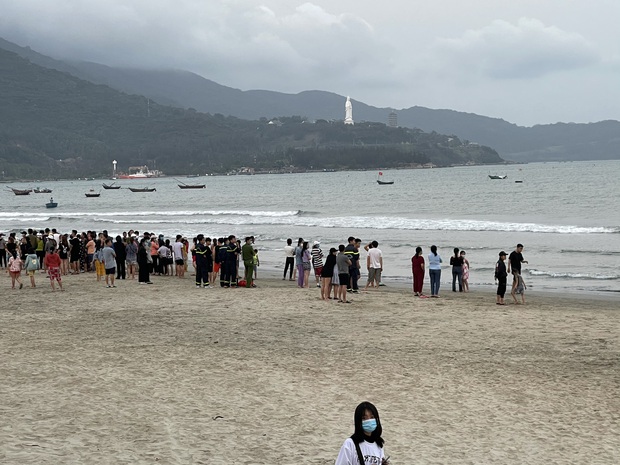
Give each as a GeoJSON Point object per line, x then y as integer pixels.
{"type": "Point", "coordinates": [566, 215]}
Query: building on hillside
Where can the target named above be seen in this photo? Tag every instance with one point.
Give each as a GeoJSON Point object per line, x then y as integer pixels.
{"type": "Point", "coordinates": [393, 119]}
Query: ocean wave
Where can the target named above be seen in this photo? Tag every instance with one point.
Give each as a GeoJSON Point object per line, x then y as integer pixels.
{"type": "Point", "coordinates": [565, 275]}
{"type": "Point", "coordinates": [299, 218]}
{"type": "Point", "coordinates": [590, 252]}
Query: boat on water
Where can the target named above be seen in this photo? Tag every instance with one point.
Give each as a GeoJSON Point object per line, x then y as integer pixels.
{"type": "Point", "coordinates": [498, 176]}
{"type": "Point", "coordinates": [110, 186]}
{"type": "Point", "coordinates": [139, 172]}
{"type": "Point", "coordinates": [21, 191]}
{"type": "Point", "coordinates": [42, 190]}
{"type": "Point", "coordinates": [381, 181]}
{"type": "Point", "coordinates": [51, 203]}
{"type": "Point", "coordinates": [92, 193]}
{"type": "Point", "coordinates": [142, 189]}
{"type": "Point", "coordinates": [192, 186]}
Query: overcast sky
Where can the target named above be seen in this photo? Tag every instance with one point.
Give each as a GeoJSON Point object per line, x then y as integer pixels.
{"type": "Point", "coordinates": [526, 61]}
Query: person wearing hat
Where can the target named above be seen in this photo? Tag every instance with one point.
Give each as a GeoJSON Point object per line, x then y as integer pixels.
{"type": "Point", "coordinates": [500, 276]}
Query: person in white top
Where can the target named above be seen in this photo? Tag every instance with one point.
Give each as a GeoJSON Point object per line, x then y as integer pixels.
{"type": "Point", "coordinates": [365, 446]}
{"type": "Point", "coordinates": [289, 265]}
{"type": "Point", "coordinates": [177, 249]}
{"type": "Point", "coordinates": [374, 265]}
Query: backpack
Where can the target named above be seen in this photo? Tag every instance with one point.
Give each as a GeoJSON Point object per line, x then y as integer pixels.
{"type": "Point", "coordinates": [32, 263]}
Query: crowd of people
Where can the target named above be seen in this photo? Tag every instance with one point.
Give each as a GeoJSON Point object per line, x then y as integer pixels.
{"type": "Point", "coordinates": [133, 254]}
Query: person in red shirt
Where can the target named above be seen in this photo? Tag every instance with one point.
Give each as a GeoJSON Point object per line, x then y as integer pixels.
{"type": "Point", "coordinates": [52, 265]}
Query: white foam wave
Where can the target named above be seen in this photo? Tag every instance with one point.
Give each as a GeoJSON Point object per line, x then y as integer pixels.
{"type": "Point", "coordinates": [17, 216]}
{"type": "Point", "coordinates": [572, 275]}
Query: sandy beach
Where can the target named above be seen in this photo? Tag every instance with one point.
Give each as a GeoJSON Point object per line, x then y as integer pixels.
{"type": "Point", "coordinates": [171, 374]}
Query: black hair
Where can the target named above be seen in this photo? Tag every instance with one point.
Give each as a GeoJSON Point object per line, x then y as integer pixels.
{"type": "Point", "coordinates": [289, 241]}
{"type": "Point", "coordinates": [418, 250]}
{"type": "Point", "coordinates": [434, 250]}
{"type": "Point", "coordinates": [375, 244]}
{"type": "Point", "coordinates": [519, 245]}
{"type": "Point", "coordinates": [359, 435]}
{"type": "Point", "coordinates": [456, 251]}
{"type": "Point", "coordinates": [350, 239]}
{"type": "Point", "coordinates": [305, 245]}
{"type": "Point", "coordinates": [332, 250]}
{"type": "Point", "coordinates": [341, 247]}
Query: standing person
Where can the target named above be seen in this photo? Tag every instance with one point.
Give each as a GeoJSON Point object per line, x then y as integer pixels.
{"type": "Point", "coordinates": [63, 253]}
{"type": "Point", "coordinates": [108, 259]}
{"type": "Point", "coordinates": [417, 268]}
{"type": "Point", "coordinates": [457, 270]}
{"type": "Point", "coordinates": [365, 446]}
{"type": "Point", "coordinates": [163, 251]}
{"type": "Point", "coordinates": [306, 264]}
{"type": "Point", "coordinates": [154, 266]}
{"type": "Point", "coordinates": [465, 273]}
{"type": "Point", "coordinates": [31, 265]}
{"type": "Point", "coordinates": [52, 265]}
{"type": "Point", "coordinates": [202, 251]}
{"type": "Point", "coordinates": [121, 257]}
{"type": "Point", "coordinates": [515, 259]}
{"type": "Point", "coordinates": [343, 262]}
{"type": "Point", "coordinates": [143, 262]}
{"type": "Point", "coordinates": [328, 273]}
{"type": "Point", "coordinates": [501, 278]}
{"type": "Point", "coordinates": [2, 251]}
{"type": "Point", "coordinates": [434, 270]}
{"type": "Point", "coordinates": [131, 256]}
{"type": "Point", "coordinates": [256, 263]}
{"type": "Point", "coordinates": [230, 263]}
{"type": "Point", "coordinates": [75, 246]}
{"type": "Point", "coordinates": [374, 265]}
{"type": "Point", "coordinates": [247, 255]}
{"type": "Point", "coordinates": [179, 261]}
{"type": "Point", "coordinates": [352, 251]}
{"type": "Point", "coordinates": [90, 253]}
{"type": "Point", "coordinates": [317, 261]}
{"type": "Point", "coordinates": [289, 255]}
{"type": "Point", "coordinates": [299, 267]}
{"type": "Point", "coordinates": [15, 270]}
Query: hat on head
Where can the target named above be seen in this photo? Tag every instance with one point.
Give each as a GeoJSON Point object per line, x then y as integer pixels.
{"type": "Point", "coordinates": [502, 254]}
{"type": "Point", "coordinates": [316, 243]}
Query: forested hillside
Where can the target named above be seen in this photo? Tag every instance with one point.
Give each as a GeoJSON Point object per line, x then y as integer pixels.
{"type": "Point", "coordinates": [53, 124]}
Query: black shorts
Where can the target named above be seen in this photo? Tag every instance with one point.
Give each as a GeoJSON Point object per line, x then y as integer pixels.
{"type": "Point", "coordinates": [180, 262]}
{"type": "Point", "coordinates": [344, 279]}
{"type": "Point", "coordinates": [110, 270]}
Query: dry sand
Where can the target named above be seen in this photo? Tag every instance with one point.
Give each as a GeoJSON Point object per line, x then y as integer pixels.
{"type": "Point", "coordinates": [171, 374]}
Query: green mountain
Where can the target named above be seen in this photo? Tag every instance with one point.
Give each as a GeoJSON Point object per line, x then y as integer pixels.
{"type": "Point", "coordinates": [561, 141]}
{"type": "Point", "coordinates": [53, 124]}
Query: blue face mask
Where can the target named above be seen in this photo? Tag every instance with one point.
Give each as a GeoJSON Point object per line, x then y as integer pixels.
{"type": "Point", "coordinates": [369, 425]}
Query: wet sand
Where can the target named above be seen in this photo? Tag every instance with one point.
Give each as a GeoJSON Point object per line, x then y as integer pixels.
{"type": "Point", "coordinates": [176, 375]}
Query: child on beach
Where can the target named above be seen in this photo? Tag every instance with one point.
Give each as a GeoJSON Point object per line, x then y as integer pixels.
{"type": "Point", "coordinates": [32, 265]}
{"type": "Point", "coordinates": [99, 266]}
{"type": "Point", "coordinates": [52, 265]}
{"type": "Point", "coordinates": [465, 272]}
{"type": "Point", "coordinates": [519, 289]}
{"type": "Point", "coordinates": [256, 263]}
{"type": "Point", "coordinates": [15, 270]}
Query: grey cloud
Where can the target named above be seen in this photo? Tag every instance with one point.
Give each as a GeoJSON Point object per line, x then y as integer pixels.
{"type": "Point", "coordinates": [527, 49]}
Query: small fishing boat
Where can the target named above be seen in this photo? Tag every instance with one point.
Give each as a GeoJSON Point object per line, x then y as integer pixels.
{"type": "Point", "coordinates": [92, 193]}
{"type": "Point", "coordinates": [192, 186]}
{"type": "Point", "coordinates": [518, 181]}
{"type": "Point", "coordinates": [381, 181]}
{"type": "Point", "coordinates": [142, 189]}
{"type": "Point", "coordinates": [51, 203]}
{"type": "Point", "coordinates": [42, 190]}
{"type": "Point", "coordinates": [21, 191]}
{"type": "Point", "coordinates": [110, 186]}
{"type": "Point", "coordinates": [498, 176]}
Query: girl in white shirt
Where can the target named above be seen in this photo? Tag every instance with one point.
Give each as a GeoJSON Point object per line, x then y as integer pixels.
{"type": "Point", "coordinates": [367, 436]}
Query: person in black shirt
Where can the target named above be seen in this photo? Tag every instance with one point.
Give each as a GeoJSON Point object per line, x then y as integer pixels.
{"type": "Point", "coordinates": [500, 277]}
{"type": "Point", "coordinates": [515, 259]}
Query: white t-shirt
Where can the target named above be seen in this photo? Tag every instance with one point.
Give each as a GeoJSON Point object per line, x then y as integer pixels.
{"type": "Point", "coordinates": [375, 255]}
{"type": "Point", "coordinates": [289, 250]}
{"type": "Point", "coordinates": [373, 454]}
{"type": "Point", "coordinates": [177, 248]}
